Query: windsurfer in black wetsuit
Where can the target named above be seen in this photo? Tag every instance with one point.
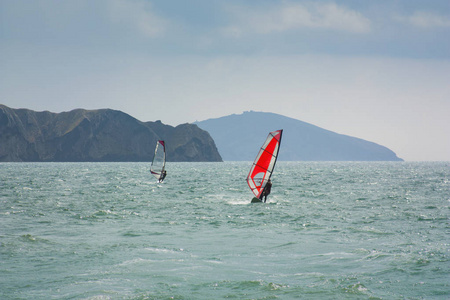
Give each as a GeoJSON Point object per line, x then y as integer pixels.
{"type": "Point", "coordinates": [163, 175]}
{"type": "Point", "coordinates": [266, 191]}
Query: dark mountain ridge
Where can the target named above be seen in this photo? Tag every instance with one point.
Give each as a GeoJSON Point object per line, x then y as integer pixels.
{"type": "Point", "coordinates": [239, 137]}
{"type": "Point", "coordinates": [96, 135]}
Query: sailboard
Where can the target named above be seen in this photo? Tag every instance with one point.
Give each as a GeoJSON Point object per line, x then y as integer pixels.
{"type": "Point", "coordinates": [159, 161]}
{"type": "Point", "coordinates": [264, 163]}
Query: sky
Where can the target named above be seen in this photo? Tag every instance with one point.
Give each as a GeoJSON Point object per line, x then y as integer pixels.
{"type": "Point", "coordinates": [376, 70]}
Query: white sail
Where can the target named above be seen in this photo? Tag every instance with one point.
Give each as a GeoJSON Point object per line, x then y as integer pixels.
{"type": "Point", "coordinates": [159, 160]}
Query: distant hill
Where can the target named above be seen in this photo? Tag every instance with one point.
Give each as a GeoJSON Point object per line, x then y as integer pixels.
{"type": "Point", "coordinates": [239, 137]}
{"type": "Point", "coordinates": [96, 135]}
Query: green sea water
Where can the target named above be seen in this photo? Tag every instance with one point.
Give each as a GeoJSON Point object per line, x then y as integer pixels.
{"type": "Point", "coordinates": [330, 230]}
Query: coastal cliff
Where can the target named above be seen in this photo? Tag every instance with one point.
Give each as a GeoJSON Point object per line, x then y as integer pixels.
{"type": "Point", "coordinates": [96, 135]}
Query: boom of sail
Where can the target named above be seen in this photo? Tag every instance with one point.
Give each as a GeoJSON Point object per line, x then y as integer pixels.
{"type": "Point", "coordinates": [159, 160]}
{"type": "Point", "coordinates": [264, 163]}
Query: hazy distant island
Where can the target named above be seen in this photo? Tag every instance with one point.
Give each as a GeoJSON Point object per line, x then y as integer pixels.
{"type": "Point", "coordinates": [239, 137]}
{"type": "Point", "coordinates": [96, 135]}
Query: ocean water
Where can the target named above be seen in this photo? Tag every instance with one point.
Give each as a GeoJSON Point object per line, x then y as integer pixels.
{"type": "Point", "coordinates": [330, 230]}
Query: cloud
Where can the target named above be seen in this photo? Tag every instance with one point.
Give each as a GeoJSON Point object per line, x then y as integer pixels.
{"type": "Point", "coordinates": [292, 16]}
{"type": "Point", "coordinates": [138, 15]}
{"type": "Point", "coordinates": [425, 19]}
{"type": "Point", "coordinates": [80, 23]}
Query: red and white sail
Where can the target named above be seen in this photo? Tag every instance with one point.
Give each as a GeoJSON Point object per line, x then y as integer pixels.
{"type": "Point", "coordinates": [159, 160]}
{"type": "Point", "coordinates": [264, 163]}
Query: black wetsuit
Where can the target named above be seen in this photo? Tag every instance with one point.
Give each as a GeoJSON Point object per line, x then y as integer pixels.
{"type": "Point", "coordinates": [266, 191]}
{"type": "Point", "coordinates": [163, 175]}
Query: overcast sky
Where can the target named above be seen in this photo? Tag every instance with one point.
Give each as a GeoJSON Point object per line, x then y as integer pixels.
{"type": "Point", "coordinates": [377, 70]}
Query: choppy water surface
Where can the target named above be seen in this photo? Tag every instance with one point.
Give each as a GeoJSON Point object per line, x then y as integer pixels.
{"type": "Point", "coordinates": [330, 231]}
